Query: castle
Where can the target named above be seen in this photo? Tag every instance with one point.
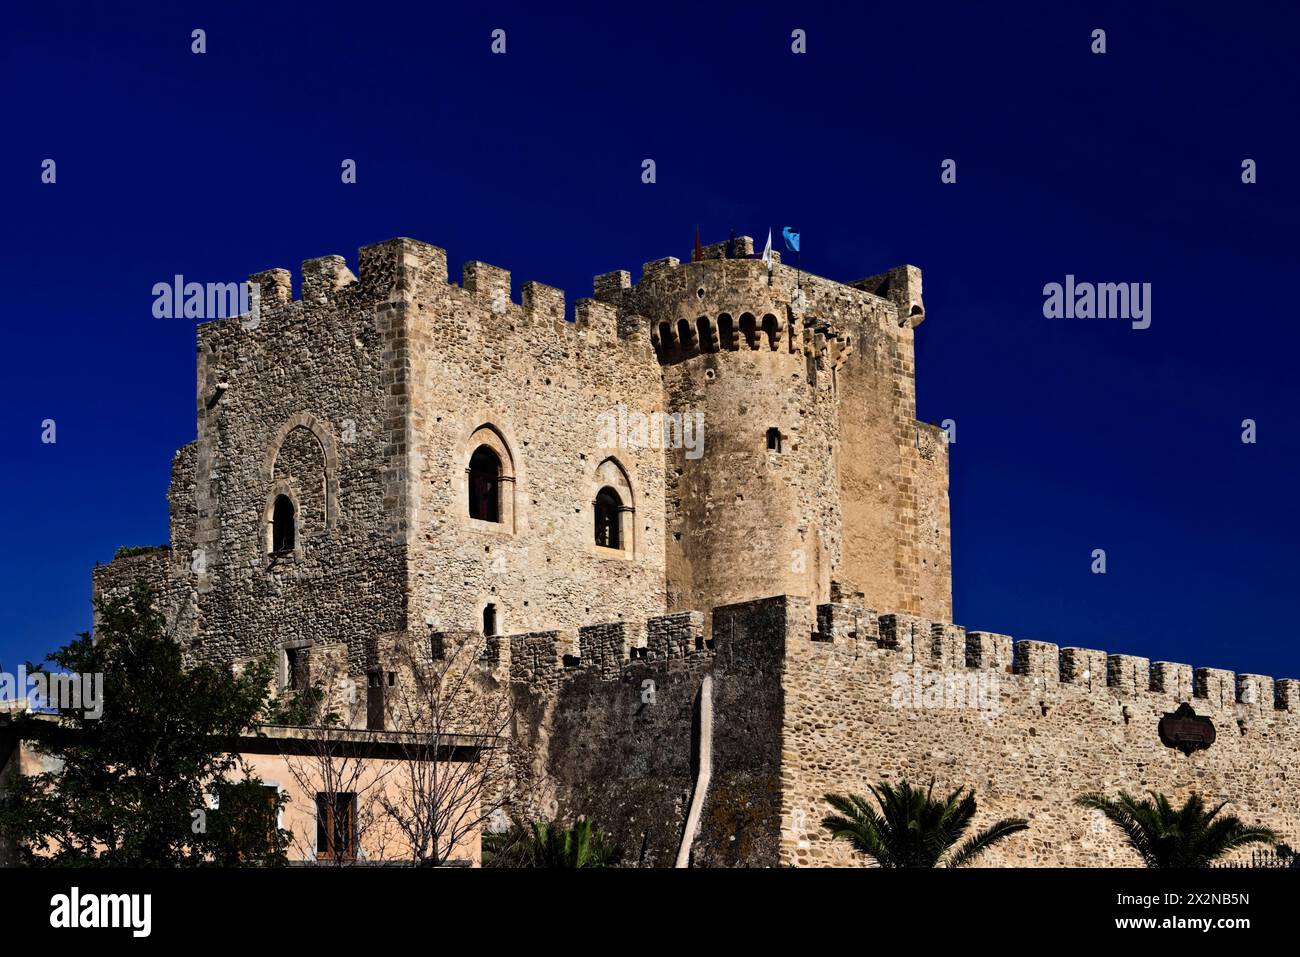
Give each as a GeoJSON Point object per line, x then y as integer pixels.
{"type": "Point", "coordinates": [704, 623]}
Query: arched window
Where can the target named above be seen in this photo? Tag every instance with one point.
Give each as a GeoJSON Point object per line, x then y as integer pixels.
{"type": "Point", "coordinates": [705, 327]}
{"type": "Point", "coordinates": [749, 329]}
{"type": "Point", "coordinates": [489, 620]}
{"type": "Point", "coordinates": [608, 511]}
{"type": "Point", "coordinates": [283, 525]}
{"type": "Point", "coordinates": [685, 334]}
{"type": "Point", "coordinates": [485, 485]}
{"type": "Point", "coordinates": [770, 330]}
{"type": "Point", "coordinates": [727, 332]}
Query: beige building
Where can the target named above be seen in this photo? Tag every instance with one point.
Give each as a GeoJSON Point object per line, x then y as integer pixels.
{"type": "Point", "coordinates": [349, 797]}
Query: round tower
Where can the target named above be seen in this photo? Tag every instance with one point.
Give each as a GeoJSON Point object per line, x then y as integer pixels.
{"type": "Point", "coordinates": [751, 490]}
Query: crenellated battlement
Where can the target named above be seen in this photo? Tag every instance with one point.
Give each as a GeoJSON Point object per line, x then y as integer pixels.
{"type": "Point", "coordinates": [607, 650]}
{"type": "Point", "coordinates": [612, 650]}
{"type": "Point", "coordinates": [408, 270]}
{"type": "Point", "coordinates": [943, 645]}
{"type": "Point", "coordinates": [399, 445]}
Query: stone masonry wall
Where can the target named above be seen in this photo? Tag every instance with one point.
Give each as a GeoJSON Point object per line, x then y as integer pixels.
{"type": "Point", "coordinates": [537, 390]}
{"type": "Point", "coordinates": [613, 733]}
{"type": "Point", "coordinates": [1029, 725]}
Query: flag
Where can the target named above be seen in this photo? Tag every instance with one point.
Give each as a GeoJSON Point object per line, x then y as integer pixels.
{"type": "Point", "coordinates": [699, 250]}
{"type": "Point", "coordinates": [791, 238]}
{"type": "Point", "coordinates": [767, 251]}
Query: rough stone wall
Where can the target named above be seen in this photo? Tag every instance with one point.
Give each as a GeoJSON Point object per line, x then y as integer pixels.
{"type": "Point", "coordinates": [362, 400]}
{"type": "Point", "coordinates": [744, 519]}
{"type": "Point", "coordinates": [893, 475]}
{"type": "Point", "coordinates": [1029, 725]}
{"type": "Point", "coordinates": [534, 388]}
{"type": "Point", "coordinates": [614, 734]}
{"type": "Point", "coordinates": [303, 400]}
{"type": "Point", "coordinates": [858, 494]}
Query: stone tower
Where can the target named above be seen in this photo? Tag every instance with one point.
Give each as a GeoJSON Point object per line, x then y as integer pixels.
{"type": "Point", "coordinates": [359, 409]}
{"type": "Point", "coordinates": [815, 475]}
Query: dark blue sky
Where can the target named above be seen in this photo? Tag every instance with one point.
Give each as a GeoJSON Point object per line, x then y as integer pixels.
{"type": "Point", "coordinates": [1071, 434]}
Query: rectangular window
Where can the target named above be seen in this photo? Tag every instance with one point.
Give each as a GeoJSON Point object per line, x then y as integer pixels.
{"type": "Point", "coordinates": [336, 826]}
{"type": "Point", "coordinates": [295, 670]}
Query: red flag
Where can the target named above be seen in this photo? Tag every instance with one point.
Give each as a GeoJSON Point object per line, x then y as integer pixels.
{"type": "Point", "coordinates": [699, 250]}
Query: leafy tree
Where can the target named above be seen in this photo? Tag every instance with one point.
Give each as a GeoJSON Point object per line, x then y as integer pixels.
{"type": "Point", "coordinates": [306, 709]}
{"type": "Point", "coordinates": [1165, 836]}
{"type": "Point", "coordinates": [131, 787]}
{"type": "Point", "coordinates": [912, 828]}
{"type": "Point", "coordinates": [546, 844]}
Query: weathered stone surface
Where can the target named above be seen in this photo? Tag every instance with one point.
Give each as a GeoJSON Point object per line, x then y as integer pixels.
{"type": "Point", "coordinates": [362, 403]}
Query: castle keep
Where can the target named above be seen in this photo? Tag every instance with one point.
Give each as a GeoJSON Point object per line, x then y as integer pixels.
{"type": "Point", "coordinates": [701, 636]}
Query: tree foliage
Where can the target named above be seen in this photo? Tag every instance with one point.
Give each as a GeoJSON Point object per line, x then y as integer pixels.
{"type": "Point", "coordinates": [547, 844]}
{"type": "Point", "coordinates": [134, 786]}
{"type": "Point", "coordinates": [909, 827]}
{"type": "Point", "coordinates": [1165, 836]}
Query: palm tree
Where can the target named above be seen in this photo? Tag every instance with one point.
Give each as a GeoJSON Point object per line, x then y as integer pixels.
{"type": "Point", "coordinates": [912, 827]}
{"type": "Point", "coordinates": [545, 844]}
{"type": "Point", "coordinates": [1165, 836]}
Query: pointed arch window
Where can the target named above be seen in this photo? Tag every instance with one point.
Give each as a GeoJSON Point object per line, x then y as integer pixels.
{"type": "Point", "coordinates": [608, 510]}
{"type": "Point", "coordinates": [284, 525]}
{"type": "Point", "coordinates": [485, 485]}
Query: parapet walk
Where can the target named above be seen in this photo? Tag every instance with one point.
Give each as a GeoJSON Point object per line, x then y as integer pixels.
{"type": "Point", "coordinates": [544, 659]}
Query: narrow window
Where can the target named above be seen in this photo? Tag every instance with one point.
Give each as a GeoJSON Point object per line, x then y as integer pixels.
{"type": "Point", "coordinates": [685, 334]}
{"type": "Point", "coordinates": [749, 331]}
{"type": "Point", "coordinates": [295, 669]}
{"type": "Point", "coordinates": [283, 533]}
{"type": "Point", "coordinates": [375, 703]}
{"type": "Point", "coordinates": [727, 332]}
{"type": "Point", "coordinates": [485, 485]}
{"type": "Point", "coordinates": [705, 327]}
{"type": "Point", "coordinates": [336, 831]}
{"type": "Point", "coordinates": [774, 439]}
{"type": "Point", "coordinates": [666, 342]}
{"type": "Point", "coordinates": [608, 515]}
{"type": "Point", "coordinates": [257, 812]}
{"type": "Point", "coordinates": [489, 620]}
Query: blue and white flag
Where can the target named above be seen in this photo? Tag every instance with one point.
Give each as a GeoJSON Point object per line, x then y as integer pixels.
{"type": "Point", "coordinates": [791, 238]}
{"type": "Point", "coordinates": [767, 251]}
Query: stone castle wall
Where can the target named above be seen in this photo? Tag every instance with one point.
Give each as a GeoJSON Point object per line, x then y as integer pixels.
{"type": "Point", "coordinates": [537, 389]}
{"type": "Point", "coordinates": [363, 400]}
{"type": "Point", "coordinates": [854, 698]}
{"type": "Point", "coordinates": [613, 733]}
{"type": "Point", "coordinates": [302, 400]}
{"type": "Point", "coordinates": [1029, 725]}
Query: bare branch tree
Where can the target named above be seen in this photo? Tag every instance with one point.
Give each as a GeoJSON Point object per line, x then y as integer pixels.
{"type": "Point", "coordinates": [329, 763]}
{"type": "Point", "coordinates": [452, 712]}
